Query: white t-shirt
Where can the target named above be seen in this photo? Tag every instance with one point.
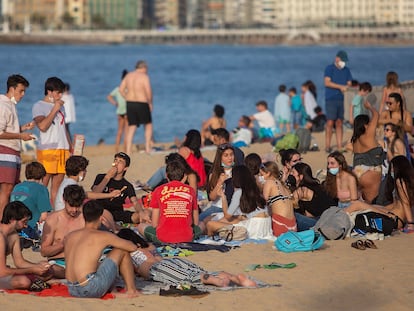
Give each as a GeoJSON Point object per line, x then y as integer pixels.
{"type": "Point", "coordinates": [9, 122]}
{"type": "Point", "coordinates": [265, 119]}
{"type": "Point", "coordinates": [242, 134]}
{"type": "Point", "coordinates": [55, 136]}
{"type": "Point", "coordinates": [69, 105]}
{"type": "Point", "coordinates": [59, 202]}
{"type": "Point", "coordinates": [310, 104]}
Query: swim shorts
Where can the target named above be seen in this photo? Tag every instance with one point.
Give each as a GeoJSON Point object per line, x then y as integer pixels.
{"type": "Point", "coordinates": [138, 113]}
{"type": "Point", "coordinates": [96, 284]}
{"type": "Point", "coordinates": [334, 109]}
{"type": "Point", "coordinates": [54, 160]}
{"type": "Point", "coordinates": [10, 164]}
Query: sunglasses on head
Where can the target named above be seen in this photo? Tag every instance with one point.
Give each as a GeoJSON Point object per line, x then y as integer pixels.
{"type": "Point", "coordinates": [225, 146]}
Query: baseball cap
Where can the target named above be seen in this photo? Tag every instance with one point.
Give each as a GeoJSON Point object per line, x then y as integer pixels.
{"type": "Point", "coordinates": [124, 156]}
{"type": "Point", "coordinates": [342, 55]}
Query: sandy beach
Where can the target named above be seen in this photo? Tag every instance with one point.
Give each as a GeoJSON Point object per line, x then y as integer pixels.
{"type": "Point", "coordinates": [336, 277]}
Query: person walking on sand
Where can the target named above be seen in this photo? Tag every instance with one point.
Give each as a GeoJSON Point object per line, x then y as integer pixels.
{"type": "Point", "coordinates": [89, 277]}
{"type": "Point", "coordinates": [337, 79]}
{"type": "Point", "coordinates": [136, 89]}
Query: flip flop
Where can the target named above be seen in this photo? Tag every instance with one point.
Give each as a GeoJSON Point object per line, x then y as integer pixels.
{"type": "Point", "coordinates": [275, 265]}
{"type": "Point", "coordinates": [359, 245]}
{"type": "Point", "coordinates": [370, 244]}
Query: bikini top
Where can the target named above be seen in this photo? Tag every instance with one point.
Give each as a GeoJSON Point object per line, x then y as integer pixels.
{"type": "Point", "coordinates": [279, 196]}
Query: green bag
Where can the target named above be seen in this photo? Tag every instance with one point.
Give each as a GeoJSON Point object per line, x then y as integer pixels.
{"type": "Point", "coordinates": [289, 141]}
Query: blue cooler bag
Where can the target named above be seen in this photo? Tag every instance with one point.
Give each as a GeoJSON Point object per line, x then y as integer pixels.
{"type": "Point", "coordinates": [303, 241]}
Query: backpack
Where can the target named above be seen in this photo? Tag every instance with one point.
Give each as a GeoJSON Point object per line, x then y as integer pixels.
{"type": "Point", "coordinates": [334, 224]}
{"type": "Point", "coordinates": [303, 241]}
{"type": "Point", "coordinates": [289, 141]}
{"type": "Point", "coordinates": [375, 222]}
{"type": "Point", "coordinates": [304, 136]}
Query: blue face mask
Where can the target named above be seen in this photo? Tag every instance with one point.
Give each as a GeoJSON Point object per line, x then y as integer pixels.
{"type": "Point", "coordinates": [334, 170]}
{"type": "Point", "coordinates": [392, 175]}
{"type": "Point", "coordinates": [227, 166]}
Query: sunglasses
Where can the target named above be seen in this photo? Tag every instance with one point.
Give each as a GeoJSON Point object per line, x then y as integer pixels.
{"type": "Point", "coordinates": [389, 103]}
{"type": "Point", "coordinates": [225, 146]}
{"type": "Point", "coordinates": [388, 130]}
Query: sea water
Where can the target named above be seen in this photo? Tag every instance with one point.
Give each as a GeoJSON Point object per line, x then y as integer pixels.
{"type": "Point", "coordinates": [187, 81]}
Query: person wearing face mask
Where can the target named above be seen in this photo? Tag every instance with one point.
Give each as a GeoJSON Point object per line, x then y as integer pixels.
{"type": "Point", "coordinates": [220, 180]}
{"type": "Point", "coordinates": [75, 172]}
{"type": "Point", "coordinates": [340, 182]}
{"type": "Point", "coordinates": [337, 79]}
{"type": "Point", "coordinates": [54, 140]}
{"type": "Point", "coordinates": [34, 195]}
{"type": "Point", "coordinates": [11, 134]}
{"type": "Point", "coordinates": [310, 198]}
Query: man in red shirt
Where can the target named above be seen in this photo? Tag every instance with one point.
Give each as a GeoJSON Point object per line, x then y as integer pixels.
{"type": "Point", "coordinates": [174, 210]}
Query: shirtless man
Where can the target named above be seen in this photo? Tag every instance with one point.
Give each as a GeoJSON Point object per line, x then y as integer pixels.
{"type": "Point", "coordinates": [15, 218]}
{"type": "Point", "coordinates": [215, 122]}
{"type": "Point", "coordinates": [86, 274]}
{"type": "Point", "coordinates": [59, 224]}
{"type": "Point", "coordinates": [136, 89]}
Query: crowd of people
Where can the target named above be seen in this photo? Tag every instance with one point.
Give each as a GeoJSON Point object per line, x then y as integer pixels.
{"type": "Point", "coordinates": [249, 196]}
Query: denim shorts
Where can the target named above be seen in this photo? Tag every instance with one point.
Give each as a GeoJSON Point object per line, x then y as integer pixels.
{"type": "Point", "coordinates": [5, 282]}
{"type": "Point", "coordinates": [97, 283]}
{"type": "Point", "coordinates": [334, 109]}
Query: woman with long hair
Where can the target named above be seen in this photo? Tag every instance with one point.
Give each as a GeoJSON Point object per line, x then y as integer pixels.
{"type": "Point", "coordinates": [279, 200]}
{"type": "Point", "coordinates": [247, 208]}
{"type": "Point", "coordinates": [190, 150]}
{"type": "Point", "coordinates": [288, 158]}
{"type": "Point", "coordinates": [400, 191]}
{"type": "Point", "coordinates": [340, 183]}
{"type": "Point", "coordinates": [310, 197]}
{"type": "Point", "coordinates": [394, 139]}
{"type": "Point", "coordinates": [368, 155]}
{"type": "Point", "coordinates": [398, 116]}
{"type": "Point", "coordinates": [391, 86]}
{"type": "Point", "coordinates": [219, 179]}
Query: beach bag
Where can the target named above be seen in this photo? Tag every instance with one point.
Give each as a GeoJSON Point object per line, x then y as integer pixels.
{"type": "Point", "coordinates": [375, 222]}
{"type": "Point", "coordinates": [303, 241]}
{"type": "Point", "coordinates": [334, 224]}
{"type": "Point", "coordinates": [232, 233]}
{"type": "Point", "coordinates": [289, 141]}
{"type": "Point", "coordinates": [304, 136]}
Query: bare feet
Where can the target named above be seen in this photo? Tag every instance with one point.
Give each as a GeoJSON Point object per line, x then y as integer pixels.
{"type": "Point", "coordinates": [219, 280]}
{"type": "Point", "coordinates": [127, 294]}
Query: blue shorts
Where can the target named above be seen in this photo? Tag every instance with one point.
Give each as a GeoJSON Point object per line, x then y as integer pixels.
{"type": "Point", "coordinates": [334, 109]}
{"type": "Point", "coordinates": [297, 117]}
{"type": "Point", "coordinates": [5, 282]}
{"type": "Point", "coordinates": [97, 284]}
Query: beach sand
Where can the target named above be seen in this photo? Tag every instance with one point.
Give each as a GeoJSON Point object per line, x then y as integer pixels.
{"type": "Point", "coordinates": [336, 277]}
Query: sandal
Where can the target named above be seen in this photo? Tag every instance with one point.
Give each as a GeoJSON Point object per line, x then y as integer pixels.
{"type": "Point", "coordinates": [183, 290]}
{"type": "Point", "coordinates": [275, 265]}
{"type": "Point", "coordinates": [359, 245]}
{"type": "Point", "coordinates": [38, 285]}
{"type": "Point", "coordinates": [370, 244]}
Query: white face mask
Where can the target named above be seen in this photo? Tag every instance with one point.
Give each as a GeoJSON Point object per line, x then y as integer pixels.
{"type": "Point", "coordinates": [81, 177]}
{"type": "Point", "coordinates": [261, 179]}
{"type": "Point", "coordinates": [341, 64]}
{"type": "Point", "coordinates": [13, 100]}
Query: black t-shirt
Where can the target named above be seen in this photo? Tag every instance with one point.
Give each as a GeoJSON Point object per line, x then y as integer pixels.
{"type": "Point", "coordinates": [320, 202]}
{"type": "Point", "coordinates": [117, 203]}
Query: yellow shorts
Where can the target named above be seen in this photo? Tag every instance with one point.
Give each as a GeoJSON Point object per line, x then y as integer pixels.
{"type": "Point", "coordinates": [54, 161]}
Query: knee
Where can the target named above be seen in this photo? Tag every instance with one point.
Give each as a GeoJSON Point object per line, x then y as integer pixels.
{"type": "Point", "coordinates": [21, 282]}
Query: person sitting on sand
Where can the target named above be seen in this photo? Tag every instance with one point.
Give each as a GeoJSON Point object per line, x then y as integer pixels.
{"type": "Point", "coordinates": [75, 168]}
{"type": "Point", "coordinates": [160, 176]}
{"type": "Point", "coordinates": [215, 122]}
{"type": "Point", "coordinates": [15, 217]}
{"type": "Point", "coordinates": [279, 199]}
{"type": "Point", "coordinates": [114, 180]}
{"type": "Point", "coordinates": [174, 210]}
{"type": "Point", "coordinates": [177, 271]}
{"type": "Point", "coordinates": [87, 275]}
{"type": "Point", "coordinates": [399, 190]}
{"type": "Point", "coordinates": [247, 208]}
